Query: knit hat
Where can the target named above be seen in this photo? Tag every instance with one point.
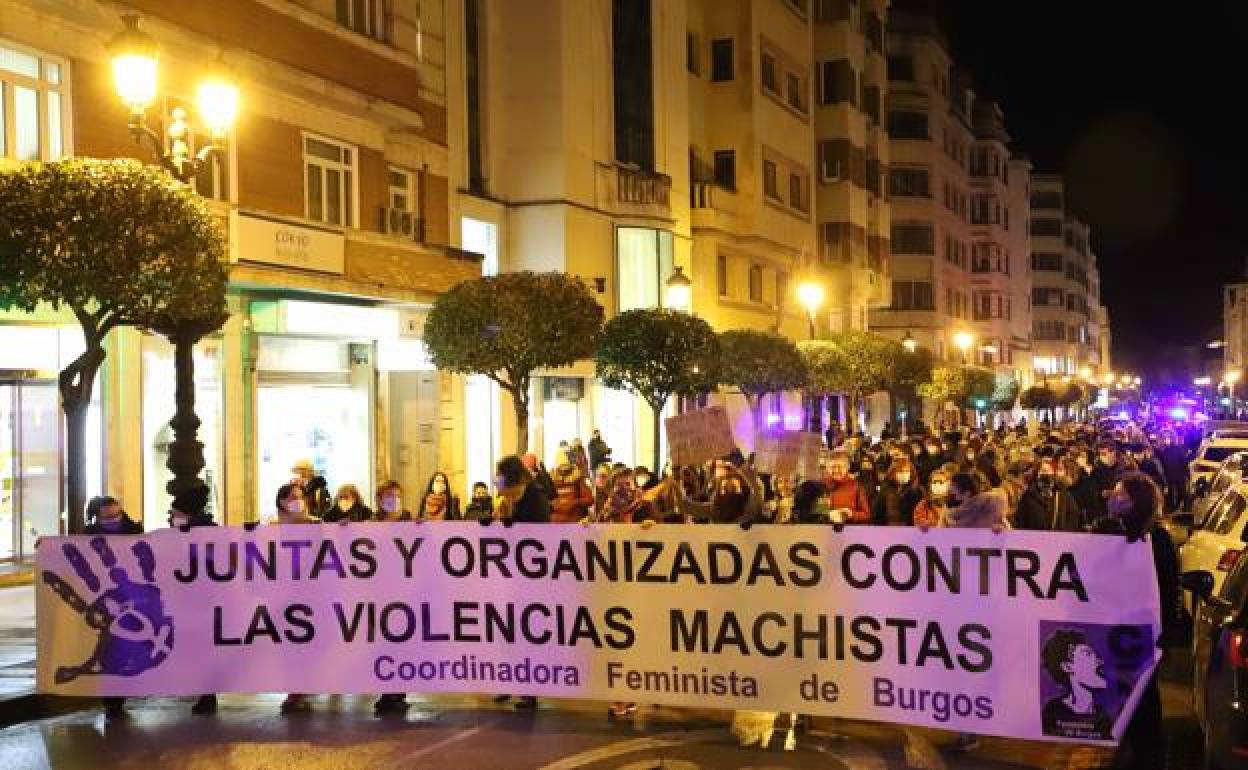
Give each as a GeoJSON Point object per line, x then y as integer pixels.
{"type": "Point", "coordinates": [191, 501]}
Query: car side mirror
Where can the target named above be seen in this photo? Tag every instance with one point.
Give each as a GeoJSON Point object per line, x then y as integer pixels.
{"type": "Point", "coordinates": [1199, 582]}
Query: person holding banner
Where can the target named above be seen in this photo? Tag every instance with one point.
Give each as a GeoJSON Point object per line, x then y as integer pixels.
{"type": "Point", "coordinates": [187, 511]}
{"type": "Point", "coordinates": [481, 507]}
{"type": "Point", "coordinates": [931, 510]}
{"type": "Point", "coordinates": [348, 507]}
{"type": "Point", "coordinates": [899, 495]}
{"type": "Point", "coordinates": [1133, 510]}
{"type": "Point", "coordinates": [106, 517]}
{"type": "Point", "coordinates": [390, 503]}
{"type": "Point", "coordinates": [844, 492]}
{"type": "Point", "coordinates": [520, 499]}
{"type": "Point", "coordinates": [292, 509]}
{"type": "Point", "coordinates": [439, 503]}
{"type": "Point", "coordinates": [573, 496]}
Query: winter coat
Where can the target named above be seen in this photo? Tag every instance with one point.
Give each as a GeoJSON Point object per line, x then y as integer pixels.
{"type": "Point", "coordinates": [525, 503]}
{"type": "Point", "coordinates": [1084, 492]}
{"type": "Point", "coordinates": [449, 512]}
{"type": "Point", "coordinates": [1174, 462]}
{"type": "Point", "coordinates": [929, 513]}
{"type": "Point", "coordinates": [357, 512]}
{"type": "Point", "coordinates": [1055, 511]}
{"type": "Point", "coordinates": [1105, 478]}
{"type": "Point", "coordinates": [895, 504]}
{"type": "Point", "coordinates": [1151, 467]}
{"type": "Point", "coordinates": [380, 516]}
{"type": "Point", "coordinates": [128, 527]}
{"type": "Point", "coordinates": [848, 495]}
{"type": "Point", "coordinates": [479, 509]}
{"type": "Point", "coordinates": [985, 510]}
{"type": "Point", "coordinates": [598, 451]}
{"type": "Point", "coordinates": [573, 497]}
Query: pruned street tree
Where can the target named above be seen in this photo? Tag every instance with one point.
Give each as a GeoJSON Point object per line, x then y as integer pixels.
{"type": "Point", "coordinates": [759, 363]}
{"type": "Point", "coordinates": [116, 243]}
{"type": "Point", "coordinates": [911, 371]}
{"type": "Point", "coordinates": [1039, 398]}
{"type": "Point", "coordinates": [506, 327]}
{"type": "Point", "coordinates": [657, 354]}
{"type": "Point", "coordinates": [865, 362]}
{"type": "Point", "coordinates": [960, 384]}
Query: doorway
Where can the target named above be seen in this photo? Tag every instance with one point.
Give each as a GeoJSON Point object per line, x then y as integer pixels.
{"type": "Point", "coordinates": [30, 465]}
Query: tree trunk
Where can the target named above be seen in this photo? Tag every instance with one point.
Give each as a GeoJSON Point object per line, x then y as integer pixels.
{"type": "Point", "coordinates": [521, 405]}
{"type": "Point", "coordinates": [756, 412]}
{"type": "Point", "coordinates": [76, 382]}
{"type": "Point", "coordinates": [186, 452]}
{"type": "Point", "coordinates": [656, 412]}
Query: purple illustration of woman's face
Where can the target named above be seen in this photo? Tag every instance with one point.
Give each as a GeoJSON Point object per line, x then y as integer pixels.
{"type": "Point", "coordinates": [1086, 668]}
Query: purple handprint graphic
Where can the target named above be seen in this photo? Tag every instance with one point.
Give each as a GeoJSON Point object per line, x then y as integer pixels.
{"type": "Point", "coordinates": [135, 634]}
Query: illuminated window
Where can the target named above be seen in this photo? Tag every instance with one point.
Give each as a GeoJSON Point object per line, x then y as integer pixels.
{"type": "Point", "coordinates": [34, 115]}
{"type": "Point", "coordinates": [329, 181]}
{"type": "Point", "coordinates": [367, 17]}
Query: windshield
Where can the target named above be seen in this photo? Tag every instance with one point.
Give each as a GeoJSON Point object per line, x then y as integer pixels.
{"type": "Point", "coordinates": [1216, 454]}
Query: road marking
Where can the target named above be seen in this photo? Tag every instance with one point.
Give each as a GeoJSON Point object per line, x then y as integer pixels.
{"type": "Point", "coordinates": [447, 741]}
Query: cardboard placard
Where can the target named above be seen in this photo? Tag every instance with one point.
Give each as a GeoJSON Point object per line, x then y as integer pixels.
{"type": "Point", "coordinates": [695, 437]}
{"type": "Point", "coordinates": [789, 453]}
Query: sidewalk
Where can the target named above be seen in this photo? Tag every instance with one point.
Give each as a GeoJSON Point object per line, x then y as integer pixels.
{"type": "Point", "coordinates": [17, 641]}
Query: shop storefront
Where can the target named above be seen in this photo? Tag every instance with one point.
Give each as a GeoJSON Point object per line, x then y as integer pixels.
{"type": "Point", "coordinates": [32, 435]}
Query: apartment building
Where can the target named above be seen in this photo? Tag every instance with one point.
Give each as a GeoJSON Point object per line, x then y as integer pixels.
{"type": "Point", "coordinates": [1235, 326]}
{"type": "Point", "coordinates": [334, 193]}
{"type": "Point", "coordinates": [1067, 313]}
{"type": "Point", "coordinates": [620, 140]}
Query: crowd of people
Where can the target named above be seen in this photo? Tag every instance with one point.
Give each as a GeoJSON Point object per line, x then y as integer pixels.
{"type": "Point", "coordinates": [1066, 478]}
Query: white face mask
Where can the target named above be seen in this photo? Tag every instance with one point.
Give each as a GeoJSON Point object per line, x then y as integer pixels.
{"type": "Point", "coordinates": [903, 478]}
{"type": "Point", "coordinates": [294, 507]}
{"type": "Point", "coordinates": [389, 503]}
{"type": "Point", "coordinates": [940, 489]}
{"type": "Point", "coordinates": [345, 504]}
{"type": "Point", "coordinates": [178, 519]}
{"type": "Point", "coordinates": [439, 488]}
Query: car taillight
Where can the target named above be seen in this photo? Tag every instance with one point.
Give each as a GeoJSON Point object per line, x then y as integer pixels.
{"type": "Point", "coordinates": [1236, 654]}
{"type": "Point", "coordinates": [1229, 557]}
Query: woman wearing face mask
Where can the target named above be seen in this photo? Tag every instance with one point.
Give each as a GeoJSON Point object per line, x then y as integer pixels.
{"type": "Point", "coordinates": [348, 506]}
{"type": "Point", "coordinates": [845, 493]}
{"type": "Point", "coordinates": [390, 503]}
{"type": "Point", "coordinates": [930, 512]}
{"type": "Point", "coordinates": [1134, 506]}
{"type": "Point", "coordinates": [573, 497]}
{"type": "Point", "coordinates": [899, 496]}
{"type": "Point", "coordinates": [188, 510]}
{"type": "Point", "coordinates": [481, 507]}
{"type": "Point", "coordinates": [780, 508]}
{"type": "Point", "coordinates": [439, 504]}
{"type": "Point", "coordinates": [1046, 505]}
{"type": "Point", "coordinates": [868, 477]}
{"type": "Point", "coordinates": [105, 517]}
{"type": "Point", "coordinates": [291, 509]}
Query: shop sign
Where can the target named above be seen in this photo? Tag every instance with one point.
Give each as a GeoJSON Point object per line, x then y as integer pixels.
{"type": "Point", "coordinates": [274, 242]}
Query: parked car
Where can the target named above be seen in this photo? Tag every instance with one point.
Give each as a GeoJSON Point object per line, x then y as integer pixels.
{"type": "Point", "coordinates": [1216, 544]}
{"type": "Point", "coordinates": [1207, 491]}
{"type": "Point", "coordinates": [1212, 453]}
{"type": "Point", "coordinates": [1220, 665]}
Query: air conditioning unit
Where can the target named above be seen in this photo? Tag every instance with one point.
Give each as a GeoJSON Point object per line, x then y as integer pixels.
{"type": "Point", "coordinates": [402, 223]}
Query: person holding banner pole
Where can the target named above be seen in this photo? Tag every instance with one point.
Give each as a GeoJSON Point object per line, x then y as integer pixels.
{"type": "Point", "coordinates": [187, 511]}
{"type": "Point", "coordinates": [844, 492]}
{"type": "Point", "coordinates": [389, 509]}
{"type": "Point", "coordinates": [106, 517]}
{"type": "Point", "coordinates": [292, 509]}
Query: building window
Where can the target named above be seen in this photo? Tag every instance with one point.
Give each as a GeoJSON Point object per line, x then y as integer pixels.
{"type": "Point", "coordinates": [756, 283]}
{"type": "Point", "coordinates": [798, 192]}
{"type": "Point", "coordinates": [1046, 199]}
{"type": "Point", "coordinates": [693, 57]}
{"type": "Point", "coordinates": [769, 77]}
{"type": "Point", "coordinates": [1043, 260]}
{"type": "Point", "coordinates": [838, 82]}
{"type": "Point", "coordinates": [771, 187]}
{"type": "Point", "coordinates": [901, 68]}
{"type": "Point", "coordinates": [1041, 297]}
{"type": "Point", "coordinates": [722, 68]}
{"type": "Point", "coordinates": [367, 17]}
{"type": "Point", "coordinates": [644, 260]}
{"type": "Point", "coordinates": [914, 238]}
{"type": "Point", "coordinates": [829, 11]}
{"type": "Point", "coordinates": [871, 102]}
{"type": "Point", "coordinates": [833, 160]}
{"type": "Point", "coordinates": [909, 182]}
{"type": "Point", "coordinates": [873, 30]}
{"type": "Point", "coordinates": [1047, 227]}
{"type": "Point", "coordinates": [797, 6]}
{"type": "Point", "coordinates": [329, 181]}
{"type": "Point", "coordinates": [633, 71]}
{"type": "Point", "coordinates": [796, 93]}
{"type": "Point", "coordinates": [907, 124]}
{"type": "Point", "coordinates": [400, 218]}
{"type": "Point", "coordinates": [402, 189]}
{"type": "Point", "coordinates": [913, 295]}
{"type": "Point", "coordinates": [782, 287]}
{"type": "Point", "coordinates": [472, 87]}
{"type": "Point", "coordinates": [721, 274]}
{"type": "Point", "coordinates": [34, 115]}
{"type": "Point", "coordinates": [726, 169]}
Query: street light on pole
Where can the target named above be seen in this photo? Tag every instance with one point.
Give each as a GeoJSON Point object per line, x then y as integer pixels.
{"type": "Point", "coordinates": [909, 342]}
{"type": "Point", "coordinates": [679, 291]}
{"type": "Point", "coordinates": [1231, 377]}
{"type": "Point", "coordinates": [135, 63]}
{"type": "Point", "coordinates": [810, 294]}
{"type": "Point", "coordinates": [963, 340]}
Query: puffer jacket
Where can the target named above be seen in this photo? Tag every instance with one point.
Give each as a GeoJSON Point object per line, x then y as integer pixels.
{"type": "Point", "coordinates": [987, 510]}
{"type": "Point", "coordinates": [573, 497]}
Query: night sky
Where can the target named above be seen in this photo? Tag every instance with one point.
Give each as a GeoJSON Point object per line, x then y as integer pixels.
{"type": "Point", "coordinates": [1135, 104]}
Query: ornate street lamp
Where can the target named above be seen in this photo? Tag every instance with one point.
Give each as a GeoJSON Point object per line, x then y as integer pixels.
{"type": "Point", "coordinates": [678, 295]}
{"type": "Point", "coordinates": [963, 340]}
{"type": "Point", "coordinates": [810, 293]}
{"type": "Point", "coordinates": [135, 58]}
{"type": "Point", "coordinates": [909, 342]}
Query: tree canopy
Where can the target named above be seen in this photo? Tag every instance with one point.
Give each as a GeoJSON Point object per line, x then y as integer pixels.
{"type": "Point", "coordinates": [758, 363]}
{"type": "Point", "coordinates": [961, 384]}
{"type": "Point", "coordinates": [1005, 392]}
{"type": "Point", "coordinates": [866, 362]}
{"type": "Point", "coordinates": [1038, 397]}
{"type": "Point", "coordinates": [117, 243]}
{"type": "Point", "coordinates": [657, 354]}
{"type": "Point", "coordinates": [507, 326]}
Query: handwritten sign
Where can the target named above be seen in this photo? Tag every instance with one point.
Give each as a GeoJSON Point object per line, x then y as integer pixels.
{"type": "Point", "coordinates": [695, 437]}
{"type": "Point", "coordinates": [789, 453]}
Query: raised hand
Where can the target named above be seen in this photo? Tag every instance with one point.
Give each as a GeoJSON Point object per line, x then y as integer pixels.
{"type": "Point", "coordinates": [134, 633]}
